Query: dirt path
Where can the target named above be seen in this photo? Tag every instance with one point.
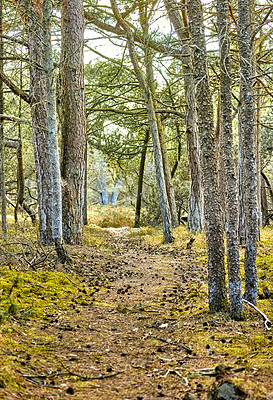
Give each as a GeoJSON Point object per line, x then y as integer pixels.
{"type": "Point", "coordinates": [139, 329]}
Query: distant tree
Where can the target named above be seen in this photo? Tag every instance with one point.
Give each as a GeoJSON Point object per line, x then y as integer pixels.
{"type": "Point", "coordinates": [148, 61]}
{"type": "Point", "coordinates": [163, 198]}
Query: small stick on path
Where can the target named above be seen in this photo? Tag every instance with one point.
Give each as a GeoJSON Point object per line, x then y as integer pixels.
{"type": "Point", "coordinates": [89, 378]}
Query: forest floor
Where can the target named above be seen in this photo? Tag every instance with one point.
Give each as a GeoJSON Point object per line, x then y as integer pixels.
{"type": "Point", "coordinates": [127, 320]}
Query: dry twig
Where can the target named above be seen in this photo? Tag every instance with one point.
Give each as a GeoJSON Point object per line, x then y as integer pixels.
{"type": "Point", "coordinates": [267, 322]}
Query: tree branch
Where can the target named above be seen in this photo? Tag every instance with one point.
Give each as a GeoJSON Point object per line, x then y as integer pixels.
{"type": "Point", "coordinates": [138, 38]}
{"type": "Point", "coordinates": [14, 119]}
{"type": "Point", "coordinates": [14, 88]}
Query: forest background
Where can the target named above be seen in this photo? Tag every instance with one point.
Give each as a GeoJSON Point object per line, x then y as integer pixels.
{"type": "Point", "coordinates": [170, 116]}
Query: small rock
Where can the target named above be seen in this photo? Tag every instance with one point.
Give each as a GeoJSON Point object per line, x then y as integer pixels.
{"type": "Point", "coordinates": [226, 391]}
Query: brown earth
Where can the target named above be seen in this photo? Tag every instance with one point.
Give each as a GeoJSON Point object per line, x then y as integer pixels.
{"type": "Point", "coordinates": [139, 328]}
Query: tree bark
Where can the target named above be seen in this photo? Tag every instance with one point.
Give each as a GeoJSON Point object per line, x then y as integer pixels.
{"type": "Point", "coordinates": [214, 228]}
{"type": "Point", "coordinates": [195, 204]}
{"type": "Point", "coordinates": [54, 163]}
{"type": "Point", "coordinates": [73, 123]}
{"type": "Point", "coordinates": [39, 115]}
{"type": "Point", "coordinates": [229, 172]}
{"type": "Point", "coordinates": [163, 198]}
{"type": "Point", "coordinates": [2, 168]}
{"type": "Point", "coordinates": [42, 102]}
{"type": "Point", "coordinates": [246, 54]}
{"type": "Point", "coordinates": [241, 183]}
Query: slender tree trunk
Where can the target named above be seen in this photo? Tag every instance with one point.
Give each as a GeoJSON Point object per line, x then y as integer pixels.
{"type": "Point", "coordinates": [2, 169]}
{"type": "Point", "coordinates": [20, 178]}
{"type": "Point", "coordinates": [73, 119]}
{"type": "Point", "coordinates": [115, 193]}
{"type": "Point", "coordinates": [104, 198]}
{"type": "Point", "coordinates": [20, 165]}
{"type": "Point", "coordinates": [140, 178]}
{"type": "Point", "coordinates": [269, 188]}
{"type": "Point", "coordinates": [214, 228]}
{"type": "Point", "coordinates": [246, 53]}
{"type": "Point", "coordinates": [220, 150]}
{"type": "Point", "coordinates": [163, 198]}
{"type": "Point", "coordinates": [258, 146]}
{"type": "Point", "coordinates": [85, 199]}
{"type": "Point", "coordinates": [241, 183]}
{"type": "Point", "coordinates": [164, 152]}
{"type": "Point", "coordinates": [195, 206]}
{"type": "Point", "coordinates": [264, 203]}
{"type": "Point", "coordinates": [230, 179]}
{"type": "Point", "coordinates": [54, 162]}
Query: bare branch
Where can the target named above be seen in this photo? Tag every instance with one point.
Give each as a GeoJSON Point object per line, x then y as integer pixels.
{"type": "Point", "coordinates": [14, 88]}
{"type": "Point", "coordinates": [15, 119]}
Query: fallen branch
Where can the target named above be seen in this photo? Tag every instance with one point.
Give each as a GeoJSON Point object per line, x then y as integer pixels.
{"type": "Point", "coordinates": [267, 322]}
{"type": "Point", "coordinates": [89, 378]}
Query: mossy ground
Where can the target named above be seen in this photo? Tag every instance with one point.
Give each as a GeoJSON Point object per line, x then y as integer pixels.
{"type": "Point", "coordinates": [127, 320]}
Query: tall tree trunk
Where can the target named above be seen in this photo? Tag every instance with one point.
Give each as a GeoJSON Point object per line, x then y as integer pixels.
{"type": "Point", "coordinates": [258, 145]}
{"type": "Point", "coordinates": [39, 115]}
{"type": "Point", "coordinates": [2, 170]}
{"type": "Point", "coordinates": [195, 206]}
{"type": "Point", "coordinates": [73, 121]}
{"type": "Point", "coordinates": [230, 179]}
{"type": "Point", "coordinates": [241, 183]}
{"type": "Point", "coordinates": [247, 98]}
{"type": "Point", "coordinates": [220, 150]}
{"type": "Point", "coordinates": [164, 152]}
{"type": "Point", "coordinates": [214, 228]}
{"type": "Point", "coordinates": [54, 163]}
{"type": "Point", "coordinates": [140, 178]}
{"type": "Point", "coordinates": [20, 165]}
{"type": "Point", "coordinates": [163, 198]}
{"type": "Point", "coordinates": [43, 119]}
